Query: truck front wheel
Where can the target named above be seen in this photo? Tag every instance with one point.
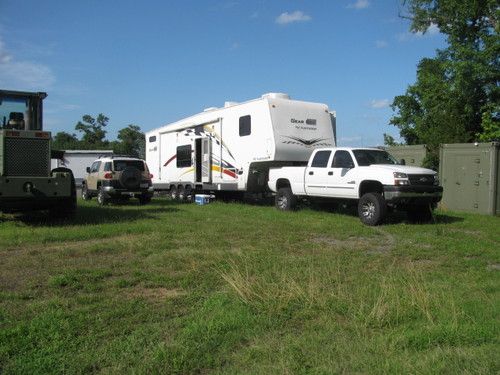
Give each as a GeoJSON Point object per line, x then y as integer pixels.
{"type": "Point", "coordinates": [285, 200]}
{"type": "Point", "coordinates": [372, 209]}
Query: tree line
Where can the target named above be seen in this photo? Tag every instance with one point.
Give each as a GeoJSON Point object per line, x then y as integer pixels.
{"type": "Point", "coordinates": [456, 97]}
{"type": "Point", "coordinates": [130, 140]}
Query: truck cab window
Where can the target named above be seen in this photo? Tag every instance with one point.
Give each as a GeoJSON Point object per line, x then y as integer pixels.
{"type": "Point", "coordinates": [321, 159]}
{"type": "Point", "coordinates": [342, 159]}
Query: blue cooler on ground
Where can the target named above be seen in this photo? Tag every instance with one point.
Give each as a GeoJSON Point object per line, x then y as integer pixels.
{"type": "Point", "coordinates": [202, 199]}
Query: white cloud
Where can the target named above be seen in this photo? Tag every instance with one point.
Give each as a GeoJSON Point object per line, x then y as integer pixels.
{"type": "Point", "coordinates": [297, 16]}
{"type": "Point", "coordinates": [379, 103]}
{"type": "Point", "coordinates": [432, 30]}
{"type": "Point", "coordinates": [23, 75]}
{"type": "Point", "coordinates": [359, 4]}
{"type": "Point", "coordinates": [381, 44]}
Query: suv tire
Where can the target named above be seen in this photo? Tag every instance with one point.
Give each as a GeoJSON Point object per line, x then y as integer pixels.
{"type": "Point", "coordinates": [372, 209]}
{"type": "Point", "coordinates": [285, 200]}
{"type": "Point", "coordinates": [130, 178]}
{"type": "Point", "coordinates": [86, 196]}
{"type": "Point", "coordinates": [102, 198]}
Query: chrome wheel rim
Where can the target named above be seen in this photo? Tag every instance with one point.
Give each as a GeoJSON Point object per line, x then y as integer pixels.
{"type": "Point", "coordinates": [282, 202]}
{"type": "Point", "coordinates": [368, 210]}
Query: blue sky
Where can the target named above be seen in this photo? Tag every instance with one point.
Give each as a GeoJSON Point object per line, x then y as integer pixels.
{"type": "Point", "coordinates": [150, 63]}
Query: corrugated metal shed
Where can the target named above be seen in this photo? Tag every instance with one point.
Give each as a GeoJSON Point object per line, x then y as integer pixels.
{"type": "Point", "coordinates": [470, 175]}
{"type": "Point", "coordinates": [414, 155]}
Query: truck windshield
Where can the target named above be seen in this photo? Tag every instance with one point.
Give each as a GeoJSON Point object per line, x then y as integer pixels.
{"type": "Point", "coordinates": [14, 113]}
{"type": "Point", "coordinates": [120, 165]}
{"type": "Point", "coordinates": [369, 157]}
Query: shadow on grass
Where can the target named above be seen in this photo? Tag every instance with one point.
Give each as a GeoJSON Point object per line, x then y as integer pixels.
{"type": "Point", "coordinates": [393, 216]}
{"type": "Point", "coordinates": [94, 214]}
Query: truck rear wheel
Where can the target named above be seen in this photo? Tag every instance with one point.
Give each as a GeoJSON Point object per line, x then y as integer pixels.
{"type": "Point", "coordinates": [285, 199]}
{"type": "Point", "coordinates": [372, 209]}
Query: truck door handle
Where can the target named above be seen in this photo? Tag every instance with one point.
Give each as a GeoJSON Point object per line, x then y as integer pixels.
{"type": "Point", "coordinates": [330, 173]}
{"type": "Point", "coordinates": [311, 173]}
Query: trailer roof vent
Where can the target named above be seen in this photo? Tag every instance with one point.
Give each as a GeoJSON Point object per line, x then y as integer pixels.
{"type": "Point", "coordinates": [229, 104]}
{"type": "Point", "coordinates": [209, 109]}
{"type": "Point", "coordinates": [276, 95]}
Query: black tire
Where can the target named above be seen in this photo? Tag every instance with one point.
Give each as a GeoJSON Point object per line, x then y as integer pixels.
{"type": "Point", "coordinates": [144, 199]}
{"type": "Point", "coordinates": [419, 214]}
{"type": "Point", "coordinates": [130, 178]}
{"type": "Point", "coordinates": [173, 193]}
{"type": "Point", "coordinates": [285, 200]}
{"type": "Point", "coordinates": [102, 198]}
{"type": "Point", "coordinates": [65, 208]}
{"type": "Point", "coordinates": [372, 209]}
{"type": "Point", "coordinates": [86, 196]}
{"type": "Point", "coordinates": [181, 194]}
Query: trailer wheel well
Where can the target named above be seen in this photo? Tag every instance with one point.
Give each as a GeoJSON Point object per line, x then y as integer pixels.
{"type": "Point", "coordinates": [370, 186]}
{"type": "Point", "coordinates": [282, 183]}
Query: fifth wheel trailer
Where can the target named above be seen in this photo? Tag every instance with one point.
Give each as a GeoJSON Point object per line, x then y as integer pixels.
{"type": "Point", "coordinates": [231, 149]}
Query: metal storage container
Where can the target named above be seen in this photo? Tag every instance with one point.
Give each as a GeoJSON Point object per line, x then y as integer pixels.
{"type": "Point", "coordinates": [469, 174]}
{"type": "Point", "coordinates": [414, 155]}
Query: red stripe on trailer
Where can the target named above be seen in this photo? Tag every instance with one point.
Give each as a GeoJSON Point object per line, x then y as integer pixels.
{"type": "Point", "coordinates": [169, 160]}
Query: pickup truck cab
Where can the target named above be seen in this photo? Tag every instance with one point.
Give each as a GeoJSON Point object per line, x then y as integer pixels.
{"type": "Point", "coordinates": [369, 176]}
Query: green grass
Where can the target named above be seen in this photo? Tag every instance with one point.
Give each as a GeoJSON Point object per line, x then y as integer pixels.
{"type": "Point", "coordinates": [243, 289]}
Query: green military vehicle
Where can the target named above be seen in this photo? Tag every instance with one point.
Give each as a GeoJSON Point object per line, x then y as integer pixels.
{"type": "Point", "coordinates": [26, 180]}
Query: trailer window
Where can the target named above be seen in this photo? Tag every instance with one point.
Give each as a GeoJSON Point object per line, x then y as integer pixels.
{"type": "Point", "coordinates": [245, 125]}
{"type": "Point", "coordinates": [321, 159]}
{"type": "Point", "coordinates": [184, 156]}
{"type": "Point", "coordinates": [152, 139]}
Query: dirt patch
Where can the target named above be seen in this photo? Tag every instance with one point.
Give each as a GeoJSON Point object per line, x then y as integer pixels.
{"type": "Point", "coordinates": [154, 294]}
{"type": "Point", "coordinates": [493, 267]}
{"type": "Point", "coordinates": [371, 245]}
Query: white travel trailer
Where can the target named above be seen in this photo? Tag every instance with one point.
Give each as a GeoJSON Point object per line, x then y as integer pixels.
{"type": "Point", "coordinates": [231, 149]}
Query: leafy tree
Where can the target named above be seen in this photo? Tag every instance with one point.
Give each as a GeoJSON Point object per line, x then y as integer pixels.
{"type": "Point", "coordinates": [93, 131]}
{"type": "Point", "coordinates": [65, 141]}
{"type": "Point", "coordinates": [131, 141]}
{"type": "Point", "coordinates": [389, 140]}
{"type": "Point", "coordinates": [456, 97]}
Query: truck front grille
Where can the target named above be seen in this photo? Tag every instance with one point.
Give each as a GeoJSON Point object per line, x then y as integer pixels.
{"type": "Point", "coordinates": [26, 157]}
{"type": "Point", "coordinates": [421, 179]}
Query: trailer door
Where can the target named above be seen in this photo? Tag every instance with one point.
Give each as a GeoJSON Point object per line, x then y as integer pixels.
{"type": "Point", "coordinates": [206, 160]}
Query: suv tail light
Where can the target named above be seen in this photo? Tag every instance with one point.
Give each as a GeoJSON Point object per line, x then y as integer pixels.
{"type": "Point", "coordinates": [108, 176]}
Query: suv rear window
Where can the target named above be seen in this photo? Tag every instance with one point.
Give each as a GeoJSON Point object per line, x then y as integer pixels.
{"type": "Point", "coordinates": [120, 165]}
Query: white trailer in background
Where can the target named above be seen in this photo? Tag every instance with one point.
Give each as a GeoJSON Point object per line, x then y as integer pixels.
{"type": "Point", "coordinates": [231, 149]}
{"type": "Point", "coordinates": [78, 161]}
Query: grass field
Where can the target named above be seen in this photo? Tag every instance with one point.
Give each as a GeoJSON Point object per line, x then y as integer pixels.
{"type": "Point", "coordinates": [244, 289]}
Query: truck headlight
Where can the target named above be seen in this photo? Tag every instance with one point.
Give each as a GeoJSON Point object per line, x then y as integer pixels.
{"type": "Point", "coordinates": [400, 175]}
{"type": "Point", "coordinates": [436, 179]}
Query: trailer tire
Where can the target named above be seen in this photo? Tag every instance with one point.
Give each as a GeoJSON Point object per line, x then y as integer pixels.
{"type": "Point", "coordinates": [372, 209]}
{"type": "Point", "coordinates": [181, 193]}
{"type": "Point", "coordinates": [173, 193]}
{"type": "Point", "coordinates": [285, 200]}
{"type": "Point", "coordinates": [102, 198]}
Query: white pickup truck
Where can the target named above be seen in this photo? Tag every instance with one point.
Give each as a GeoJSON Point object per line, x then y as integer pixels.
{"type": "Point", "coordinates": [369, 176]}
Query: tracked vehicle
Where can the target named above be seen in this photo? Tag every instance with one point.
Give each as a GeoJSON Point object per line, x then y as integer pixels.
{"type": "Point", "coordinates": [26, 181]}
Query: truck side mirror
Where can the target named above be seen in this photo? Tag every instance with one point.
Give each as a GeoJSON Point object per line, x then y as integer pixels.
{"type": "Point", "coordinates": [402, 162]}
{"type": "Point", "coordinates": [88, 169]}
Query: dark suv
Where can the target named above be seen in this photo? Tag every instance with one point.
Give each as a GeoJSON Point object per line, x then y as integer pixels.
{"type": "Point", "coordinates": [118, 178]}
